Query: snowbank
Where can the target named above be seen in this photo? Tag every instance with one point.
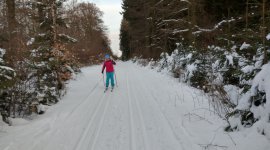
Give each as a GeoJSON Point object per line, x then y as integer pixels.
{"type": "Point", "coordinates": [18, 121]}
{"type": "Point", "coordinates": [261, 83]}
{"type": "Point", "coordinates": [240, 81]}
{"type": "Point", "coordinates": [2, 123]}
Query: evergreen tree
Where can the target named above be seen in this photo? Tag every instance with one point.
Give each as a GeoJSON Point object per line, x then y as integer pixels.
{"type": "Point", "coordinates": [7, 75]}
{"type": "Point", "coordinates": [49, 54]}
{"type": "Point", "coordinates": [124, 43]}
{"type": "Point", "coordinates": [40, 48]}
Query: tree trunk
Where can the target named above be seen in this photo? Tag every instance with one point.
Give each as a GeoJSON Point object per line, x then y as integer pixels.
{"type": "Point", "coordinates": [229, 25]}
{"type": "Point", "coordinates": [11, 15]}
{"type": "Point", "coordinates": [192, 19]}
{"type": "Point", "coordinates": [11, 30]}
{"type": "Point", "coordinates": [53, 13]}
{"type": "Point", "coordinates": [40, 12]}
{"type": "Point", "coordinates": [264, 32]}
{"type": "Point", "coordinates": [247, 14]}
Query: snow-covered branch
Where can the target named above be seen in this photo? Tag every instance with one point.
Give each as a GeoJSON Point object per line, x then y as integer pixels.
{"type": "Point", "coordinates": [200, 30]}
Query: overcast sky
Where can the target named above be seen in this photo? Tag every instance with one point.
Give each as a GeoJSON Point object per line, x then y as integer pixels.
{"type": "Point", "coordinates": [112, 19]}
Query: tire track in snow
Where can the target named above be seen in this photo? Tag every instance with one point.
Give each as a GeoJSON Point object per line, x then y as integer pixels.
{"type": "Point", "coordinates": [90, 122]}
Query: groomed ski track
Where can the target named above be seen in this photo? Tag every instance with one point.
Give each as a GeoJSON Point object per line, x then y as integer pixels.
{"type": "Point", "coordinates": [147, 111]}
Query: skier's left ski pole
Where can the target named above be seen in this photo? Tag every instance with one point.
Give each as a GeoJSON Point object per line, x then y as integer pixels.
{"type": "Point", "coordinates": [115, 79]}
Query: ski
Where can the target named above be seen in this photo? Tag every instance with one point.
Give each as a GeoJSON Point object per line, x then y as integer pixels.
{"type": "Point", "coordinates": [112, 89]}
{"type": "Point", "coordinates": [108, 89]}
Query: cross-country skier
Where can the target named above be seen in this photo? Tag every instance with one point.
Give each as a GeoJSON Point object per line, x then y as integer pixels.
{"type": "Point", "coordinates": [108, 64]}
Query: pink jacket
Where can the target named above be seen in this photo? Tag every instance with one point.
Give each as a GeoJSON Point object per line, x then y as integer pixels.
{"type": "Point", "coordinates": [108, 65]}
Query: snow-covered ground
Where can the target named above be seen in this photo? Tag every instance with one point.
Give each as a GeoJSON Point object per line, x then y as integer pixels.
{"type": "Point", "coordinates": [147, 111]}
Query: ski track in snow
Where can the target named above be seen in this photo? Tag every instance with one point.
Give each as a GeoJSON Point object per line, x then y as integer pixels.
{"type": "Point", "coordinates": [131, 121]}
{"type": "Point", "coordinates": [164, 120]}
{"type": "Point", "coordinates": [147, 111]}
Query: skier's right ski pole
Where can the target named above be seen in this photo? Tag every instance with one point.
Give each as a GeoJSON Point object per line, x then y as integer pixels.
{"type": "Point", "coordinates": [103, 80]}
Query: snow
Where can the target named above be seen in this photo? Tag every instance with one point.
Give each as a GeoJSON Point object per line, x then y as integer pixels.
{"type": "Point", "coordinates": [5, 76]}
{"type": "Point", "coordinates": [234, 48]}
{"type": "Point", "coordinates": [159, 2]}
{"type": "Point", "coordinates": [148, 110]}
{"type": "Point", "coordinates": [18, 121]}
{"type": "Point", "coordinates": [233, 93]}
{"type": "Point", "coordinates": [245, 46]}
{"type": "Point", "coordinates": [71, 70]}
{"type": "Point", "coordinates": [30, 42]}
{"type": "Point", "coordinates": [171, 20]}
{"type": "Point", "coordinates": [71, 39]}
{"type": "Point", "coordinates": [182, 10]}
{"type": "Point", "coordinates": [41, 108]}
{"type": "Point", "coordinates": [5, 72]}
{"type": "Point", "coordinates": [2, 52]}
{"type": "Point", "coordinates": [268, 36]}
{"type": "Point", "coordinates": [200, 30]}
{"type": "Point", "coordinates": [180, 31]}
{"type": "Point", "coordinates": [185, 1]}
{"type": "Point", "coordinates": [189, 56]}
{"type": "Point", "coordinates": [244, 101]}
{"type": "Point", "coordinates": [6, 68]}
{"type": "Point", "coordinates": [190, 69]}
{"type": "Point", "coordinates": [230, 59]}
{"type": "Point", "coordinates": [248, 69]}
{"type": "Point", "coordinates": [262, 83]}
{"type": "Point", "coordinates": [42, 34]}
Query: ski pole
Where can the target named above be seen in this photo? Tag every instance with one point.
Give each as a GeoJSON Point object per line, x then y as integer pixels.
{"type": "Point", "coordinates": [115, 78]}
{"type": "Point", "coordinates": [103, 80]}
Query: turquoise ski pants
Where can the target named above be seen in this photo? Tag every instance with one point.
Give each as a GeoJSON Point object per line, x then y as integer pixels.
{"type": "Point", "coordinates": [110, 76]}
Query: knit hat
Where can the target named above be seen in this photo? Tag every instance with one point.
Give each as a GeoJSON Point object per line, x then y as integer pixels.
{"type": "Point", "coordinates": [107, 56]}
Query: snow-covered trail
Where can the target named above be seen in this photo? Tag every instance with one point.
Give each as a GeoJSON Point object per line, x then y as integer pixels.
{"type": "Point", "coordinates": [147, 111]}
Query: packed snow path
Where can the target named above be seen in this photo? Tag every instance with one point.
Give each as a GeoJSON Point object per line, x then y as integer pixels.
{"type": "Point", "coordinates": [147, 111]}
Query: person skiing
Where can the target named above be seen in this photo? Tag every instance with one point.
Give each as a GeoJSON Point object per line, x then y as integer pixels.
{"type": "Point", "coordinates": [108, 64]}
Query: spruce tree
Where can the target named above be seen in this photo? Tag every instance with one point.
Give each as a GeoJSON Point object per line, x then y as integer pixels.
{"type": "Point", "coordinates": [49, 56]}
{"type": "Point", "coordinates": [7, 75]}
{"type": "Point", "coordinates": [124, 43]}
